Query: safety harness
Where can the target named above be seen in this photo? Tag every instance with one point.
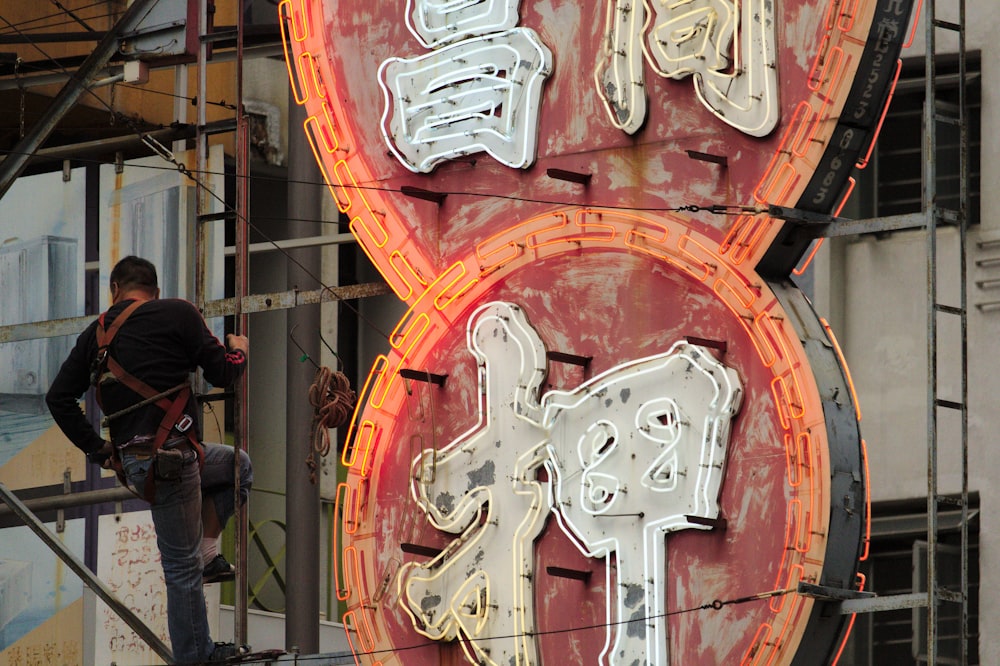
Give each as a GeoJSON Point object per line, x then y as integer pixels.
{"type": "Point", "coordinates": [174, 418]}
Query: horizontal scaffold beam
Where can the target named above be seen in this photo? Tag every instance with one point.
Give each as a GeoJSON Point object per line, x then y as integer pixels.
{"type": "Point", "coordinates": [282, 300]}
{"type": "Point", "coordinates": [17, 158]}
{"type": "Point", "coordinates": [886, 603]}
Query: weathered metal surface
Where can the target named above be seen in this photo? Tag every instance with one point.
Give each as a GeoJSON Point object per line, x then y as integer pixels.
{"type": "Point", "coordinates": [888, 603]}
{"type": "Point", "coordinates": [71, 500]}
{"type": "Point", "coordinates": [611, 264]}
{"type": "Point", "coordinates": [44, 329]}
{"type": "Point", "coordinates": [279, 300]}
{"type": "Point", "coordinates": [845, 227]}
{"type": "Point", "coordinates": [302, 515]}
{"type": "Point", "coordinates": [935, 113]}
{"type": "Point", "coordinates": [284, 300]}
{"type": "Point", "coordinates": [848, 492]}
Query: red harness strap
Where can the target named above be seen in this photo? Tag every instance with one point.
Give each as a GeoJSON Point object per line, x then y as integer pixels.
{"type": "Point", "coordinates": [173, 408]}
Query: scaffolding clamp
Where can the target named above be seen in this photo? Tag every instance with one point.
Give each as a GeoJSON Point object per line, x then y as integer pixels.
{"type": "Point", "coordinates": [827, 593]}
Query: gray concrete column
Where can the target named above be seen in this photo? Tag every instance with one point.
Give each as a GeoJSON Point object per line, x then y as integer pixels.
{"type": "Point", "coordinates": [302, 503]}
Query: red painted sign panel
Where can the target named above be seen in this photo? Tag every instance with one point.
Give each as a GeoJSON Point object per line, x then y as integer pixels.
{"type": "Point", "coordinates": [609, 429]}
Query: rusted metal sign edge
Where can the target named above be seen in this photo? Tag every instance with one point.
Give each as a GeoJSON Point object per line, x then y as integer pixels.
{"type": "Point", "coordinates": [282, 300]}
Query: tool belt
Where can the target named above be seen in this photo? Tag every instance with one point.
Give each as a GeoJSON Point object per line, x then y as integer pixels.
{"type": "Point", "coordinates": [168, 460]}
{"type": "Point", "coordinates": [142, 446]}
{"type": "Point", "coordinates": [175, 423]}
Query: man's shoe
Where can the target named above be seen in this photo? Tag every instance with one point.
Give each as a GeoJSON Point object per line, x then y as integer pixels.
{"type": "Point", "coordinates": [218, 571]}
{"type": "Point", "coordinates": [228, 651]}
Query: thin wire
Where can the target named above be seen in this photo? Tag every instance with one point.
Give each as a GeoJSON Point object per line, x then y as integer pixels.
{"type": "Point", "coordinates": [100, 162]}
{"type": "Point", "coordinates": [714, 605]}
{"type": "Point", "coordinates": [717, 209]}
{"type": "Point", "coordinates": [223, 103]}
{"type": "Point", "coordinates": [161, 151]}
{"type": "Point", "coordinates": [168, 156]}
{"type": "Point", "coordinates": [73, 16]}
{"type": "Point", "coordinates": [58, 14]}
{"type": "Point", "coordinates": [30, 42]}
{"type": "Point", "coordinates": [215, 415]}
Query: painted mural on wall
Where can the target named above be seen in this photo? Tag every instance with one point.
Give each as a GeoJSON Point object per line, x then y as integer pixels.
{"type": "Point", "coordinates": [35, 587]}
{"type": "Point", "coordinates": [41, 278]}
{"type": "Point", "coordinates": [610, 429]}
{"type": "Point", "coordinates": [144, 210]}
{"type": "Point", "coordinates": [147, 210]}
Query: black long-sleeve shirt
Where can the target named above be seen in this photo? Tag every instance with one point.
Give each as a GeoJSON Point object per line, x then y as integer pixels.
{"type": "Point", "coordinates": [161, 343]}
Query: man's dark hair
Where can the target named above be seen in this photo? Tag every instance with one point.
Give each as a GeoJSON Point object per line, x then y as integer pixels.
{"type": "Point", "coordinates": [134, 272]}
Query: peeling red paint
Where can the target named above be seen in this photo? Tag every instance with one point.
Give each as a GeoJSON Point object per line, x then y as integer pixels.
{"type": "Point", "coordinates": [594, 281]}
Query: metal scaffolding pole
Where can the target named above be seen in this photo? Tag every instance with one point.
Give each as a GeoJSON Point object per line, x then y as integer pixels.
{"type": "Point", "coordinates": [80, 569]}
{"type": "Point", "coordinates": [17, 158]}
{"type": "Point", "coordinates": [72, 500]}
{"type": "Point", "coordinates": [266, 302]}
{"type": "Point", "coordinates": [929, 202]}
{"type": "Point", "coordinates": [936, 113]}
{"type": "Point", "coordinates": [242, 280]}
{"type": "Point", "coordinates": [303, 496]}
{"type": "Point", "coordinates": [964, 205]}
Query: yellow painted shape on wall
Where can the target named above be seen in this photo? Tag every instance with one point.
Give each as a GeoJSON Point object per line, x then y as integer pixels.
{"type": "Point", "coordinates": [56, 642]}
{"type": "Point", "coordinates": [43, 462]}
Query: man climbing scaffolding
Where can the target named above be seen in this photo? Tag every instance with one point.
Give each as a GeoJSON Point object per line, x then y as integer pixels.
{"type": "Point", "coordinates": [139, 355]}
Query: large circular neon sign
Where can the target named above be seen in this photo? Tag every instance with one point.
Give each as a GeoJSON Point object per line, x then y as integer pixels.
{"type": "Point", "coordinates": [609, 429]}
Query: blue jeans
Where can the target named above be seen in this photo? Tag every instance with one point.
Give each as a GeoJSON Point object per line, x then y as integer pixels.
{"type": "Point", "coordinates": [176, 512]}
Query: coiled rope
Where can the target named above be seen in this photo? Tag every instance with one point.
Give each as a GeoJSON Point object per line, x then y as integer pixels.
{"type": "Point", "coordinates": [333, 400]}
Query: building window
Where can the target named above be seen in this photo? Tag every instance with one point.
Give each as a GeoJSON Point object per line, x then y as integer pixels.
{"type": "Point", "coordinates": [891, 184]}
{"type": "Point", "coordinates": [897, 565]}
